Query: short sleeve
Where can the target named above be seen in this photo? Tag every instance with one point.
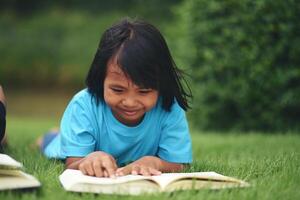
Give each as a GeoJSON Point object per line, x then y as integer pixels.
{"type": "Point", "coordinates": [77, 129]}
{"type": "Point", "coordinates": [175, 142]}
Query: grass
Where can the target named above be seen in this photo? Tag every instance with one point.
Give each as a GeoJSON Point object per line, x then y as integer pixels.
{"type": "Point", "coordinates": [270, 163]}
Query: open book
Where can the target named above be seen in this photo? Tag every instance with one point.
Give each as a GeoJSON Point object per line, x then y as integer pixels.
{"type": "Point", "coordinates": [12, 176]}
{"type": "Point", "coordinates": [74, 180]}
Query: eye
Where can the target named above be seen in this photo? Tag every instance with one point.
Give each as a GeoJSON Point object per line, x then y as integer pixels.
{"type": "Point", "coordinates": [117, 90]}
{"type": "Point", "coordinates": [145, 91]}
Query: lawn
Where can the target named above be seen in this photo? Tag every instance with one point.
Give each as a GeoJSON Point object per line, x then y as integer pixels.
{"type": "Point", "coordinates": [270, 163]}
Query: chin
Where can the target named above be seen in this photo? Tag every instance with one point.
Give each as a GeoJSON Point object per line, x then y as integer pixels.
{"type": "Point", "coordinates": [131, 120]}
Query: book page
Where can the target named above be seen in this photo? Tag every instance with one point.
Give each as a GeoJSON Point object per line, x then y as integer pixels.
{"type": "Point", "coordinates": [6, 162]}
{"type": "Point", "coordinates": [10, 172]}
{"type": "Point", "coordinates": [22, 180]}
{"type": "Point", "coordinates": [70, 177]}
{"type": "Point", "coordinates": [165, 179]}
{"type": "Point", "coordinates": [74, 180]}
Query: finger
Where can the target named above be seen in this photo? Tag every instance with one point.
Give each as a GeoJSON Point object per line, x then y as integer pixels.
{"type": "Point", "coordinates": [154, 171]}
{"type": "Point", "coordinates": [124, 171]}
{"type": "Point", "coordinates": [110, 168]}
{"type": "Point", "coordinates": [84, 168]}
{"type": "Point", "coordinates": [97, 168]}
{"type": "Point", "coordinates": [114, 164]}
{"type": "Point", "coordinates": [145, 171]}
{"type": "Point", "coordinates": [135, 170]}
{"type": "Point", "coordinates": [105, 173]}
{"type": "Point", "coordinates": [89, 169]}
{"type": "Point", "coordinates": [119, 171]}
{"type": "Point", "coordinates": [111, 172]}
{"type": "Point", "coordinates": [81, 168]}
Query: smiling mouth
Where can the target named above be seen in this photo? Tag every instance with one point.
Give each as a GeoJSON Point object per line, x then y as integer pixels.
{"type": "Point", "coordinates": [129, 112]}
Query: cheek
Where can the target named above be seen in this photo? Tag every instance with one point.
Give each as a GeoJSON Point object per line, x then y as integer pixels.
{"type": "Point", "coordinates": [151, 100]}
{"type": "Point", "coordinates": [109, 97]}
{"type": "Point", "coordinates": [105, 94]}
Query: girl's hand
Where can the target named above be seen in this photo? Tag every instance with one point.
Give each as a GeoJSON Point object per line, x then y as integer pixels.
{"type": "Point", "coordinates": [146, 166]}
{"type": "Point", "coordinates": [98, 164]}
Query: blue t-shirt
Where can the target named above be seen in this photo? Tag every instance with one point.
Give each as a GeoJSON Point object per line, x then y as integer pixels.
{"type": "Point", "coordinates": [87, 127]}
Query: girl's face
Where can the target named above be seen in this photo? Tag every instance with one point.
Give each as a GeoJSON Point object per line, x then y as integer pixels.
{"type": "Point", "coordinates": [127, 101]}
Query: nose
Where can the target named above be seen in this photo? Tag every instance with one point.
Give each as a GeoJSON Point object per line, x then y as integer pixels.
{"type": "Point", "coordinates": [129, 102]}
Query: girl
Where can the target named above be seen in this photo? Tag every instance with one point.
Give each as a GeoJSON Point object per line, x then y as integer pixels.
{"type": "Point", "coordinates": [130, 119]}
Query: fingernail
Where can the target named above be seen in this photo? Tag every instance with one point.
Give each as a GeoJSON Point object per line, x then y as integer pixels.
{"type": "Point", "coordinates": [112, 176]}
{"type": "Point", "coordinates": [119, 174]}
{"type": "Point", "coordinates": [134, 173]}
{"type": "Point", "coordinates": [157, 173]}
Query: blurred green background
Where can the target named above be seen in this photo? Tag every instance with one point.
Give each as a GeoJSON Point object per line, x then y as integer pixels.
{"type": "Point", "coordinates": [242, 56]}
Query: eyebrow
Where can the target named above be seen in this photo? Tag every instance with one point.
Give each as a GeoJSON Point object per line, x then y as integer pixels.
{"type": "Point", "coordinates": [116, 85]}
{"type": "Point", "coordinates": [125, 87]}
{"type": "Point", "coordinates": [115, 72]}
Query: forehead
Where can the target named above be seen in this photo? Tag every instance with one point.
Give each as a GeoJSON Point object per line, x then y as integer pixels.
{"type": "Point", "coordinates": [115, 73]}
{"type": "Point", "coordinates": [113, 68]}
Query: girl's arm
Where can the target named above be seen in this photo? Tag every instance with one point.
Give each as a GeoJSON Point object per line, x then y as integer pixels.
{"type": "Point", "coordinates": [73, 162]}
{"type": "Point", "coordinates": [149, 165]}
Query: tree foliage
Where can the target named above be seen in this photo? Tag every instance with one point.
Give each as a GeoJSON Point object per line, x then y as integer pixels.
{"type": "Point", "coordinates": [52, 43]}
{"type": "Point", "coordinates": [247, 67]}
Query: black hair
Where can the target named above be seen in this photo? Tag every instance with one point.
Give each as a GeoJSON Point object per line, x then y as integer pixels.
{"type": "Point", "coordinates": [142, 53]}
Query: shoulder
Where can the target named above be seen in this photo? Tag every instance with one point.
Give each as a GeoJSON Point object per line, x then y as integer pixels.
{"type": "Point", "coordinates": [175, 113]}
{"type": "Point", "coordinates": [84, 98]}
{"type": "Point", "coordinates": [83, 103]}
{"type": "Point", "coordinates": [82, 95]}
{"type": "Point", "coordinates": [82, 111]}
{"type": "Point", "coordinates": [175, 108]}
